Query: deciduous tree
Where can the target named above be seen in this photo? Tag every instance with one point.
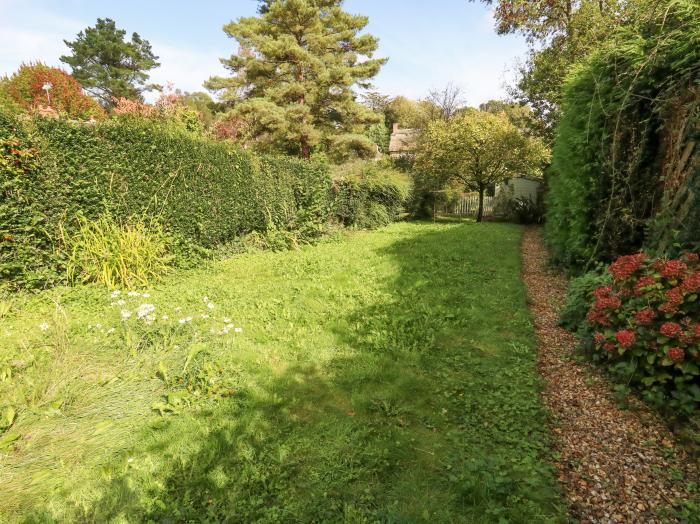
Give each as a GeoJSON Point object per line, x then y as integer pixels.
{"type": "Point", "coordinates": [478, 149]}
{"type": "Point", "coordinates": [25, 90]}
{"type": "Point", "coordinates": [561, 33]}
{"type": "Point", "coordinates": [446, 102]}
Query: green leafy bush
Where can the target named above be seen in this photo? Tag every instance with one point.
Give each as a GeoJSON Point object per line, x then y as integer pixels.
{"type": "Point", "coordinates": [645, 327]}
{"type": "Point", "coordinates": [367, 202]}
{"type": "Point", "coordinates": [578, 299]}
{"type": "Point", "coordinates": [205, 192]}
{"type": "Point", "coordinates": [624, 170]}
{"type": "Point", "coordinates": [119, 255]}
{"type": "Point", "coordinates": [523, 210]}
{"type": "Point", "coordinates": [368, 195]}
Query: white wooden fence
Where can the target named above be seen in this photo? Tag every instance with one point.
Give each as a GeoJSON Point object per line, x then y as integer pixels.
{"type": "Point", "coordinates": [468, 205]}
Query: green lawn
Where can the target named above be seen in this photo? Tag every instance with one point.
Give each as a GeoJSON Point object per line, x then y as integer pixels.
{"type": "Point", "coordinates": [385, 377]}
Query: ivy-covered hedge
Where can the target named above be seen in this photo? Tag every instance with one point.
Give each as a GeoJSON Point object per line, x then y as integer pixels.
{"type": "Point", "coordinates": [203, 191]}
{"type": "Point", "coordinates": [626, 161]}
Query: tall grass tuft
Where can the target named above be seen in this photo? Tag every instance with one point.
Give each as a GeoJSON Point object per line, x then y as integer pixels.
{"type": "Point", "coordinates": [118, 255]}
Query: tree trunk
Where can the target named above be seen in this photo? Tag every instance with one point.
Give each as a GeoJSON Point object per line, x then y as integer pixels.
{"type": "Point", "coordinates": [480, 213]}
{"type": "Point", "coordinates": [305, 149]}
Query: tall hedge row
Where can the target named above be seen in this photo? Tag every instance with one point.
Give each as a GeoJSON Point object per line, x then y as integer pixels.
{"type": "Point", "coordinates": [203, 191]}
{"type": "Point", "coordinates": [626, 161]}
{"type": "Point", "coordinates": [367, 202]}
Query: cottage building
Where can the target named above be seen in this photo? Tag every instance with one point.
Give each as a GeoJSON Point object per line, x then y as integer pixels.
{"type": "Point", "coordinates": [403, 141]}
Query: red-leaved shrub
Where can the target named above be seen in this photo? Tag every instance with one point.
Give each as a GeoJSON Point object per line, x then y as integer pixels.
{"type": "Point", "coordinates": [25, 88]}
{"type": "Point", "coordinates": [646, 326]}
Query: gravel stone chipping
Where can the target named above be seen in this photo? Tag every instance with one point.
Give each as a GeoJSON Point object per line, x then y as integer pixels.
{"type": "Point", "coordinates": [614, 465]}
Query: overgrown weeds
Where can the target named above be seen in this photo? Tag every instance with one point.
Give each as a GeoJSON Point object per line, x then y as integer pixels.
{"type": "Point", "coordinates": [124, 255]}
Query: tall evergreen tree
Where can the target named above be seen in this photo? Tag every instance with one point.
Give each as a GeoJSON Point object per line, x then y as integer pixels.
{"type": "Point", "coordinates": [294, 73]}
{"type": "Point", "coordinates": [109, 67]}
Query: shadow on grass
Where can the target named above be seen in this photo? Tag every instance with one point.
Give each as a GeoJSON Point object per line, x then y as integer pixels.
{"type": "Point", "coordinates": [429, 413]}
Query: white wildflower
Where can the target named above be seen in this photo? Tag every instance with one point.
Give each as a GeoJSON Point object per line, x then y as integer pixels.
{"type": "Point", "coordinates": [204, 315]}
{"type": "Point", "coordinates": [145, 310]}
{"type": "Point", "coordinates": [189, 319]}
{"type": "Point", "coordinates": [165, 317]}
{"type": "Point", "coordinates": [238, 330]}
{"type": "Point", "coordinates": [110, 331]}
{"type": "Point", "coordinates": [44, 326]}
{"type": "Point", "coordinates": [116, 293]}
{"type": "Point", "coordinates": [98, 326]}
{"type": "Point", "coordinates": [182, 321]}
{"type": "Point", "coordinates": [120, 302]}
{"type": "Point", "coordinates": [150, 319]}
{"type": "Point", "coordinates": [133, 294]}
{"type": "Point", "coordinates": [178, 309]}
{"type": "Point", "coordinates": [146, 295]}
{"type": "Point", "coordinates": [210, 305]}
{"type": "Point", "coordinates": [205, 299]}
{"type": "Point", "coordinates": [125, 314]}
{"type": "Point", "coordinates": [227, 321]}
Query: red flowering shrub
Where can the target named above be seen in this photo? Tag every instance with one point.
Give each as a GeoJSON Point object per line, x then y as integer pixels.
{"type": "Point", "coordinates": [646, 327]}
{"type": "Point", "coordinates": [673, 269]}
{"type": "Point", "coordinates": [671, 329]}
{"type": "Point", "coordinates": [676, 354]}
{"type": "Point", "coordinates": [644, 317]}
{"type": "Point", "coordinates": [625, 338]}
{"type": "Point", "coordinates": [625, 266]}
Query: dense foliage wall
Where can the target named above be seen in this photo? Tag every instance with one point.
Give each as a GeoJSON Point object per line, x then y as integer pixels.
{"type": "Point", "coordinates": [206, 192]}
{"type": "Point", "coordinates": [369, 194]}
{"type": "Point", "coordinates": [626, 163]}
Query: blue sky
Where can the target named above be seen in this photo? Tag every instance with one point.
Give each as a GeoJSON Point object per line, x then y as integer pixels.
{"type": "Point", "coordinates": [428, 43]}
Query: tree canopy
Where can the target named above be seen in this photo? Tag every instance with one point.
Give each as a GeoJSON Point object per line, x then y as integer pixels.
{"type": "Point", "coordinates": [25, 91]}
{"type": "Point", "coordinates": [561, 33]}
{"type": "Point", "coordinates": [294, 73]}
{"type": "Point", "coordinates": [478, 149]}
{"type": "Point", "coordinates": [109, 67]}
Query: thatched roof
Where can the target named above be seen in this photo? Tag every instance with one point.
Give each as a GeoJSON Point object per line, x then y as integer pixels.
{"type": "Point", "coordinates": [403, 140]}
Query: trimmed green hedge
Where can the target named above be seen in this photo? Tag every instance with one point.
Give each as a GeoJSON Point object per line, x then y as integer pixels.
{"type": "Point", "coordinates": [369, 194]}
{"type": "Point", "coordinates": [367, 202]}
{"type": "Point", "coordinates": [203, 191]}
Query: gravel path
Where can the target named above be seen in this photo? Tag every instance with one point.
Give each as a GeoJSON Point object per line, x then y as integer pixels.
{"type": "Point", "coordinates": [614, 465]}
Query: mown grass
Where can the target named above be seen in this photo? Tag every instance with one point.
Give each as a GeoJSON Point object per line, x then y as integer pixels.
{"type": "Point", "coordinates": [386, 377]}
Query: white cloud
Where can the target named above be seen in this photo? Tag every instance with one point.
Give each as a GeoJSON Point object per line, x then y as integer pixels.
{"type": "Point", "coordinates": [37, 35]}
{"type": "Point", "coordinates": [185, 68]}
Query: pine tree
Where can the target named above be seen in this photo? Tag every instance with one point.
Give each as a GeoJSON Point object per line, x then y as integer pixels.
{"type": "Point", "coordinates": [294, 73]}
{"type": "Point", "coordinates": [109, 67]}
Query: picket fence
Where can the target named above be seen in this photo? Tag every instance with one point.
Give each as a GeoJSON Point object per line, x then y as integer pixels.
{"type": "Point", "coordinates": [468, 205]}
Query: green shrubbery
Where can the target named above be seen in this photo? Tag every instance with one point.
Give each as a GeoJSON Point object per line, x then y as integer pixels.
{"type": "Point", "coordinates": [203, 192]}
{"type": "Point", "coordinates": [368, 195]}
{"type": "Point", "coordinates": [624, 172]}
